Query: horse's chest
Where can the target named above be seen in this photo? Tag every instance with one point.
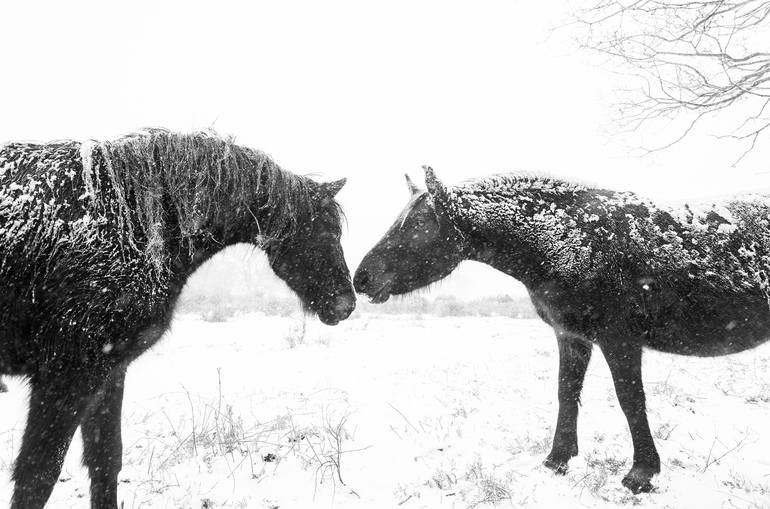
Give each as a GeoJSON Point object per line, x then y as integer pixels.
{"type": "Point", "coordinates": [571, 313]}
{"type": "Point", "coordinates": [127, 348]}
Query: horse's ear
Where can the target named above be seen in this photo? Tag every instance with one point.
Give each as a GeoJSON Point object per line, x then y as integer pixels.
{"type": "Point", "coordinates": [332, 188]}
{"type": "Point", "coordinates": [414, 189]}
{"type": "Point", "coordinates": [436, 188]}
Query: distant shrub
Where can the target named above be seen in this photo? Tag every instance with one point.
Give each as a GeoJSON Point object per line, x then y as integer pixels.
{"type": "Point", "coordinates": [450, 306]}
{"type": "Point", "coordinates": [216, 315]}
{"type": "Point", "coordinates": [296, 334]}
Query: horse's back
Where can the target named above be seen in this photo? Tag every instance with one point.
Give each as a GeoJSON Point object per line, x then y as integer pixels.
{"type": "Point", "coordinates": [21, 161]}
{"type": "Point", "coordinates": [690, 280]}
{"type": "Point", "coordinates": [48, 277]}
{"type": "Point", "coordinates": [703, 286]}
{"type": "Point", "coordinates": [39, 185]}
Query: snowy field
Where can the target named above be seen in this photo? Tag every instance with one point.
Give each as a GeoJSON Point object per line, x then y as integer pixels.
{"type": "Point", "coordinates": [412, 412]}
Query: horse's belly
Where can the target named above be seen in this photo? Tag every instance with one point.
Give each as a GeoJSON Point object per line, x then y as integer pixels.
{"type": "Point", "coordinates": [721, 328]}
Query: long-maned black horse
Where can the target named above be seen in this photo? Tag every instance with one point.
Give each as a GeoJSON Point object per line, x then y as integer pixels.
{"type": "Point", "coordinates": [602, 268]}
{"type": "Point", "coordinates": [97, 240]}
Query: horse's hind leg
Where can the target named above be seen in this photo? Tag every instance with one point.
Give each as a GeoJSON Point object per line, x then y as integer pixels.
{"type": "Point", "coordinates": [102, 445]}
{"type": "Point", "coordinates": [574, 357]}
{"type": "Point", "coordinates": [55, 409]}
{"type": "Point", "coordinates": [625, 362]}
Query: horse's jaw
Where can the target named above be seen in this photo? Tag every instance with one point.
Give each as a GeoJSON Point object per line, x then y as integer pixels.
{"type": "Point", "coordinates": [381, 295]}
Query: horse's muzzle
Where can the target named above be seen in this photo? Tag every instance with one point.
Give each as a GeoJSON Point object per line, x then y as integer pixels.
{"type": "Point", "coordinates": [361, 280]}
{"type": "Point", "coordinates": [378, 289]}
{"type": "Point", "coordinates": [340, 307]}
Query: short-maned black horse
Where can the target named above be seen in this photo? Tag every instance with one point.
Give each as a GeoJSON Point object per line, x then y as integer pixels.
{"type": "Point", "coordinates": [602, 268]}
{"type": "Point", "coordinates": [97, 240]}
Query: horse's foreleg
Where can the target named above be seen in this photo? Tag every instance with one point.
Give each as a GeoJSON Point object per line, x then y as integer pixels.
{"type": "Point", "coordinates": [55, 409]}
{"type": "Point", "coordinates": [574, 356]}
{"type": "Point", "coordinates": [102, 445]}
{"type": "Point", "coordinates": [625, 362]}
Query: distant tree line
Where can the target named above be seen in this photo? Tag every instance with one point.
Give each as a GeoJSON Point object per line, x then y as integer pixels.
{"type": "Point", "coordinates": [221, 308]}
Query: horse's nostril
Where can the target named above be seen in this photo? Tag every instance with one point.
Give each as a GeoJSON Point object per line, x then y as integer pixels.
{"type": "Point", "coordinates": [361, 280]}
{"type": "Point", "coordinates": [344, 305]}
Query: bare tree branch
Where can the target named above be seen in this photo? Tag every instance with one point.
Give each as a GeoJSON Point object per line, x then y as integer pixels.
{"type": "Point", "coordinates": [695, 58]}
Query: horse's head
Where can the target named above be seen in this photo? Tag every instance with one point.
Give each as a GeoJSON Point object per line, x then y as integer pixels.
{"type": "Point", "coordinates": [421, 247]}
{"type": "Point", "coordinates": [311, 261]}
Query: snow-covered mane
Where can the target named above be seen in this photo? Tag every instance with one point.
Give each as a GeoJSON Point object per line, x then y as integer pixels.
{"type": "Point", "coordinates": [202, 173]}
{"type": "Point", "coordinates": [504, 183]}
{"type": "Point", "coordinates": [497, 200]}
{"type": "Point", "coordinates": [139, 178]}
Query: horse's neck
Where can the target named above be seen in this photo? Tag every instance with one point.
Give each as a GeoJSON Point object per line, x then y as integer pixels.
{"type": "Point", "coordinates": [229, 224]}
{"type": "Point", "coordinates": [514, 234]}
{"type": "Point", "coordinates": [507, 255]}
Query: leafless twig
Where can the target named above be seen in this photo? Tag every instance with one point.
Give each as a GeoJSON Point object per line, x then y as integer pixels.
{"type": "Point", "coordinates": [689, 59]}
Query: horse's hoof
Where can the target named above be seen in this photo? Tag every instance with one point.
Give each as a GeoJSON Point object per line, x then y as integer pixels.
{"type": "Point", "coordinates": [638, 480]}
{"type": "Point", "coordinates": [558, 466]}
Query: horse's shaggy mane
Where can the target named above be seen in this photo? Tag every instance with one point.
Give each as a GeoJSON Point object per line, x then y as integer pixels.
{"type": "Point", "coordinates": [508, 183]}
{"type": "Point", "coordinates": [475, 201]}
{"type": "Point", "coordinates": [201, 175]}
{"type": "Point", "coordinates": [153, 187]}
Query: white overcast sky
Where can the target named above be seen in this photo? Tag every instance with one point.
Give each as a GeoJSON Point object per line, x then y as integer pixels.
{"type": "Point", "coordinates": [359, 89]}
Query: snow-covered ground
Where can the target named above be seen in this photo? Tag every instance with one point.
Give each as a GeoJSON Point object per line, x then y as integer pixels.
{"type": "Point", "coordinates": [416, 412]}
